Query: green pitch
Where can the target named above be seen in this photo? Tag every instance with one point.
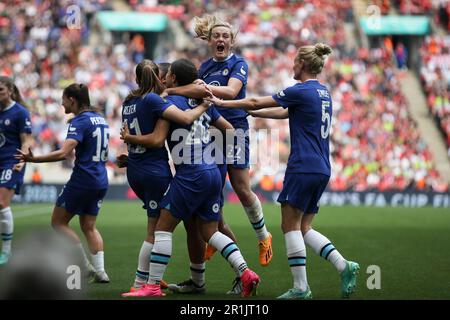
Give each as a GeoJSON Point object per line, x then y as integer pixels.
{"type": "Point", "coordinates": [409, 245]}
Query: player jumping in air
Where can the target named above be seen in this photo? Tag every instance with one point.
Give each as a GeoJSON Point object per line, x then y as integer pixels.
{"type": "Point", "coordinates": [225, 74]}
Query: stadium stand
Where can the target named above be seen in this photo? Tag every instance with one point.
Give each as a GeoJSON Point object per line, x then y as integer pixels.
{"type": "Point", "coordinates": [435, 76]}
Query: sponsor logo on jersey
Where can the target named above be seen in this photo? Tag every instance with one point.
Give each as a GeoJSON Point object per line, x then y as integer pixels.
{"type": "Point", "coordinates": [72, 129]}
{"type": "Point", "coordinates": [225, 72]}
{"type": "Point", "coordinates": [281, 94]}
{"type": "Point", "coordinates": [215, 208]}
{"type": "Point", "coordinates": [7, 122]}
{"type": "Point", "coordinates": [153, 204]}
{"type": "Point", "coordinates": [215, 83]}
{"type": "Point", "coordinates": [215, 73]}
{"type": "Point", "coordinates": [243, 71]}
{"type": "Point", "coordinates": [27, 122]}
{"type": "Point", "coordinates": [193, 103]}
{"type": "Point", "coordinates": [99, 203]}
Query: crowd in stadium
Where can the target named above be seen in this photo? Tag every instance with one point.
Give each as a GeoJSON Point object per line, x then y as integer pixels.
{"type": "Point", "coordinates": [375, 143]}
{"type": "Point", "coordinates": [435, 75]}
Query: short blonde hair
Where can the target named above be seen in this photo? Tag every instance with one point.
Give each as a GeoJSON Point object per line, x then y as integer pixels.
{"type": "Point", "coordinates": [203, 26]}
{"type": "Point", "coordinates": [314, 56]}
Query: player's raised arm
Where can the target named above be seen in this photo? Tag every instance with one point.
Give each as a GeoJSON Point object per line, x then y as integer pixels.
{"type": "Point", "coordinates": [270, 113]}
{"type": "Point", "coordinates": [193, 90]}
{"type": "Point", "coordinates": [58, 155]}
{"type": "Point", "coordinates": [230, 91]}
{"type": "Point", "coordinates": [186, 117]}
{"type": "Point", "coordinates": [247, 103]}
{"type": "Point", "coordinates": [155, 139]}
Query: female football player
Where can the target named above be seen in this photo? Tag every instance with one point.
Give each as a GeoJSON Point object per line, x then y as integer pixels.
{"type": "Point", "coordinates": [225, 75]}
{"type": "Point", "coordinates": [15, 133]}
{"type": "Point", "coordinates": [88, 135]}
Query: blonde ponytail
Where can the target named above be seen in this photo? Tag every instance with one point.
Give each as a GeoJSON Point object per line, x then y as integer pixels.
{"type": "Point", "coordinates": [314, 56]}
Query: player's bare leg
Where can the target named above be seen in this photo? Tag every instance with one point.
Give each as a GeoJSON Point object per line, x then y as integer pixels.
{"type": "Point", "coordinates": [240, 180]}
{"type": "Point", "coordinates": [95, 243]}
{"type": "Point", "coordinates": [196, 248]}
{"type": "Point", "coordinates": [60, 223]}
{"type": "Point", "coordinates": [323, 247]}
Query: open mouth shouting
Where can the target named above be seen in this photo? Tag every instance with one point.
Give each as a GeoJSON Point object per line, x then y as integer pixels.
{"type": "Point", "coordinates": [220, 48]}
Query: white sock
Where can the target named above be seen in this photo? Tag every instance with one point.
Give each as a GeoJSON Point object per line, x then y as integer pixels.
{"type": "Point", "coordinates": [143, 264]}
{"type": "Point", "coordinates": [198, 274]}
{"type": "Point", "coordinates": [323, 247]}
{"type": "Point", "coordinates": [229, 250]}
{"type": "Point", "coordinates": [6, 229]}
{"type": "Point", "coordinates": [256, 217]}
{"type": "Point", "coordinates": [83, 254]}
{"type": "Point", "coordinates": [296, 252]}
{"type": "Point", "coordinates": [160, 256]}
{"type": "Point", "coordinates": [98, 261]}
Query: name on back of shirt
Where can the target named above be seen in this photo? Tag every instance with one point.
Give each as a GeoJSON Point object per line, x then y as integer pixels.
{"type": "Point", "coordinates": [97, 120]}
{"type": "Point", "coordinates": [323, 93]}
{"type": "Point", "coordinates": [129, 109]}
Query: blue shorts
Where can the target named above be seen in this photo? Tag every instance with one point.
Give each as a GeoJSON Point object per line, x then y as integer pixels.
{"type": "Point", "coordinates": [81, 201]}
{"type": "Point", "coordinates": [149, 188]}
{"type": "Point", "coordinates": [238, 153]}
{"type": "Point", "coordinates": [303, 190]}
{"type": "Point", "coordinates": [11, 179]}
{"type": "Point", "coordinates": [198, 193]}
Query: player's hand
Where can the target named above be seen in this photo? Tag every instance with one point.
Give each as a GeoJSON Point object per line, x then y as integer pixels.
{"type": "Point", "coordinates": [124, 132]}
{"type": "Point", "coordinates": [122, 160]}
{"type": "Point", "coordinates": [164, 94]}
{"type": "Point", "coordinates": [24, 157]}
{"type": "Point", "coordinates": [19, 166]}
{"type": "Point", "coordinates": [209, 92]}
{"type": "Point", "coordinates": [213, 99]}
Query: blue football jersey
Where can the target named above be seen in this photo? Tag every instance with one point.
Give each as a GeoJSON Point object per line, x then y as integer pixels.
{"type": "Point", "coordinates": [310, 110]}
{"type": "Point", "coordinates": [187, 144]}
{"type": "Point", "coordinates": [217, 73]}
{"type": "Point", "coordinates": [14, 120]}
{"type": "Point", "coordinates": [141, 115]}
{"type": "Point", "coordinates": [92, 133]}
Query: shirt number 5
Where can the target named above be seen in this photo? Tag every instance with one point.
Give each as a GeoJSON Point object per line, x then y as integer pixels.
{"type": "Point", "coordinates": [326, 119]}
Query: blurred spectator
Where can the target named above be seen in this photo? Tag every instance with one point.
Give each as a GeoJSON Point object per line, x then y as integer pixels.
{"type": "Point", "coordinates": [435, 76]}
{"type": "Point", "coordinates": [401, 55]}
{"type": "Point", "coordinates": [36, 178]}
